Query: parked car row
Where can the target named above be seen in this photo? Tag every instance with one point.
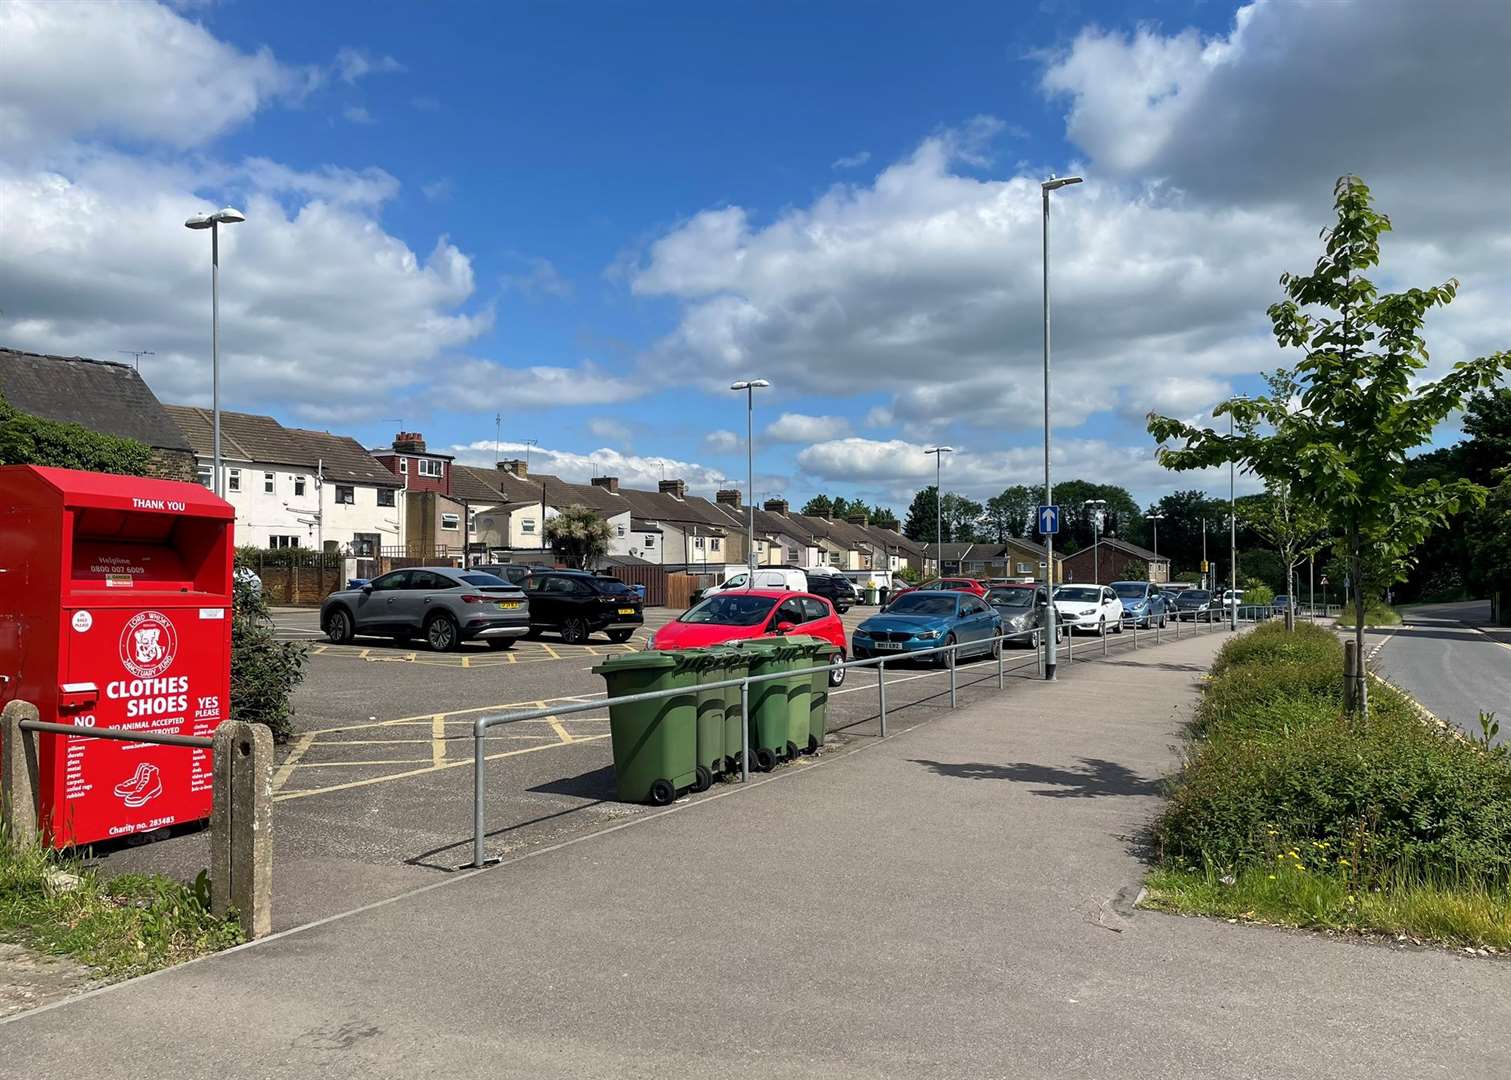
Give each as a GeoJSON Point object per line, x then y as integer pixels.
{"type": "Point", "coordinates": [446, 606]}
{"type": "Point", "coordinates": [830, 584]}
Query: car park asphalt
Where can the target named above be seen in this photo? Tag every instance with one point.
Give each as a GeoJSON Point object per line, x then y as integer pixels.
{"type": "Point", "coordinates": [373, 795]}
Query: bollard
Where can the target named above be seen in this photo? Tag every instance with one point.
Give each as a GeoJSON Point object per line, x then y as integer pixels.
{"type": "Point", "coordinates": [1001, 648]}
{"type": "Point", "coordinates": [20, 812]}
{"type": "Point", "coordinates": [241, 826]}
{"type": "Point", "coordinates": [881, 693]}
{"type": "Point", "coordinates": [1039, 651]}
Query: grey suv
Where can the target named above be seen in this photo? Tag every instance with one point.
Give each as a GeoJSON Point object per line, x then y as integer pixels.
{"type": "Point", "coordinates": [444, 605]}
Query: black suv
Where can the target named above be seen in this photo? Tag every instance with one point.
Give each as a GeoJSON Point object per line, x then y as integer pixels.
{"type": "Point", "coordinates": [576, 603]}
{"type": "Point", "coordinates": [834, 588]}
{"type": "Point", "coordinates": [513, 573]}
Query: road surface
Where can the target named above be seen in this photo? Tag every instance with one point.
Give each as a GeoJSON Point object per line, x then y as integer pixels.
{"type": "Point", "coordinates": [1449, 658]}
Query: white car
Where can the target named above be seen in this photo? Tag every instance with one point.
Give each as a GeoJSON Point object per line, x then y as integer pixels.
{"type": "Point", "coordinates": [766, 577]}
{"type": "Point", "coordinates": [1228, 596]}
{"type": "Point", "coordinates": [1094, 609]}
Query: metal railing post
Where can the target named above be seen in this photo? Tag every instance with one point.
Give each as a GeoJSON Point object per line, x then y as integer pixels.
{"type": "Point", "coordinates": [1156, 632]}
{"type": "Point", "coordinates": [954, 663]}
{"type": "Point", "coordinates": [745, 732]}
{"type": "Point", "coordinates": [1177, 627]}
{"type": "Point", "coordinates": [1039, 649]}
{"type": "Point", "coordinates": [1001, 648]}
{"type": "Point", "coordinates": [881, 693]}
{"type": "Point", "coordinates": [1104, 639]}
{"type": "Point", "coordinates": [1070, 649]}
{"type": "Point", "coordinates": [1135, 631]}
{"type": "Point", "coordinates": [478, 758]}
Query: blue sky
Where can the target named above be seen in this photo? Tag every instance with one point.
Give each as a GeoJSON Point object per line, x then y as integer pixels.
{"type": "Point", "coordinates": [590, 218]}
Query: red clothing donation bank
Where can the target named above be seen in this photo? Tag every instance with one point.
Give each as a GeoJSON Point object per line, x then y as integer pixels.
{"type": "Point", "coordinates": [115, 611]}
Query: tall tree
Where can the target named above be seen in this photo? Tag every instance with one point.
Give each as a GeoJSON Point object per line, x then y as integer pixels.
{"type": "Point", "coordinates": [1121, 517]}
{"type": "Point", "coordinates": [1361, 408]}
{"type": "Point", "coordinates": [819, 506]}
{"type": "Point", "coordinates": [922, 516]}
{"type": "Point", "coordinates": [962, 519]}
{"type": "Point", "coordinates": [1009, 515]}
{"type": "Point", "coordinates": [1183, 516]}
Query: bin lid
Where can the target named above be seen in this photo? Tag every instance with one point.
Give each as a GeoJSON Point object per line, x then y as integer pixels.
{"type": "Point", "coordinates": [646, 660]}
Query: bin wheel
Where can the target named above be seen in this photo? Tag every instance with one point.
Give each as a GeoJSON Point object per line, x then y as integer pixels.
{"type": "Point", "coordinates": [792, 750]}
{"type": "Point", "coordinates": [812, 745]}
{"type": "Point", "coordinates": [705, 779]}
{"type": "Point", "coordinates": [732, 763]}
{"type": "Point", "coordinates": [619, 637]}
{"type": "Point", "coordinates": [662, 793]}
{"type": "Point", "coordinates": [574, 631]}
{"type": "Point", "coordinates": [765, 759]}
{"type": "Point", "coordinates": [338, 627]}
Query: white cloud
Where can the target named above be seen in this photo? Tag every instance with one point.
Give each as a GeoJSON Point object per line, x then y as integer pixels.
{"type": "Point", "coordinates": [539, 278]}
{"type": "Point", "coordinates": [800, 428]}
{"type": "Point", "coordinates": [852, 161]}
{"type": "Point", "coordinates": [368, 187]}
{"type": "Point", "coordinates": [879, 416]}
{"type": "Point", "coordinates": [633, 470]}
{"type": "Point", "coordinates": [358, 115]}
{"type": "Point", "coordinates": [353, 64]}
{"type": "Point", "coordinates": [138, 70]}
{"type": "Point", "coordinates": [438, 190]}
{"type": "Point", "coordinates": [722, 442]}
{"type": "Point", "coordinates": [540, 384]}
{"type": "Point", "coordinates": [899, 467]}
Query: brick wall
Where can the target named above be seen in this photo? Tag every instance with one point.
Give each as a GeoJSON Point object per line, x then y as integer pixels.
{"type": "Point", "coordinates": [172, 465]}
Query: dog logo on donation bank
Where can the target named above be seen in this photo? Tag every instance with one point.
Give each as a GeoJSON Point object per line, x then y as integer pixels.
{"type": "Point", "coordinates": [148, 644]}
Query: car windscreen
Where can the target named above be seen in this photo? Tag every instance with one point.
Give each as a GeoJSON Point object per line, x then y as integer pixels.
{"type": "Point", "coordinates": [481, 580]}
{"type": "Point", "coordinates": [731, 609]}
{"type": "Point", "coordinates": [614, 587]}
{"type": "Point", "coordinates": [1194, 596]}
{"type": "Point", "coordinates": [1010, 597]}
{"type": "Point", "coordinates": [922, 604]}
{"type": "Point", "coordinates": [1130, 590]}
{"type": "Point", "coordinates": [1078, 595]}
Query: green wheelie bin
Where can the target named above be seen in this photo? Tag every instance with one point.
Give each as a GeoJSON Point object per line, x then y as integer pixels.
{"type": "Point", "coordinates": [713, 754]}
{"type": "Point", "coordinates": [768, 700]}
{"type": "Point", "coordinates": [818, 706]}
{"type": "Point", "coordinates": [736, 666]}
{"type": "Point", "coordinates": [655, 742]}
{"type": "Point", "coordinates": [801, 653]}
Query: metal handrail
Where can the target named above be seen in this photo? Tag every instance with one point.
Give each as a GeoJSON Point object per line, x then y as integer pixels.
{"type": "Point", "coordinates": [198, 742]}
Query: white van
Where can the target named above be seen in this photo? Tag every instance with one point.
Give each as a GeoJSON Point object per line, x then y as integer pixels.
{"type": "Point", "coordinates": [766, 577]}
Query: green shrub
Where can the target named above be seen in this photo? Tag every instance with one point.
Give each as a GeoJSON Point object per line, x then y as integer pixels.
{"type": "Point", "coordinates": [264, 670]}
{"type": "Point", "coordinates": [1280, 774]}
{"type": "Point", "coordinates": [1375, 614]}
{"type": "Point", "coordinates": [31, 440]}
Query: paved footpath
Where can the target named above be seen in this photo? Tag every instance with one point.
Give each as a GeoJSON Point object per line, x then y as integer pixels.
{"type": "Point", "coordinates": [952, 902]}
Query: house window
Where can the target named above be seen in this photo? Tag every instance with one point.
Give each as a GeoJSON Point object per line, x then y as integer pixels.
{"type": "Point", "coordinates": [298, 485]}
{"type": "Point", "coordinates": [714, 544]}
{"type": "Point", "coordinates": [429, 467]}
{"type": "Point", "coordinates": [404, 465]}
{"type": "Point", "coordinates": [385, 496]}
{"type": "Point", "coordinates": [471, 521]}
{"type": "Point", "coordinates": [283, 541]}
{"type": "Point", "coordinates": [619, 530]}
{"type": "Point", "coordinates": [347, 494]}
{"type": "Point", "coordinates": [451, 522]}
{"type": "Point", "coordinates": [650, 540]}
{"type": "Point", "coordinates": [267, 483]}
{"type": "Point", "coordinates": [1024, 568]}
{"type": "Point", "coordinates": [204, 474]}
{"type": "Point", "coordinates": [233, 479]}
{"type": "Point", "coordinates": [527, 525]}
{"type": "Point", "coordinates": [698, 543]}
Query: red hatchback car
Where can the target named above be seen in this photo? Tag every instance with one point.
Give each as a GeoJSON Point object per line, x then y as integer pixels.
{"type": "Point", "coordinates": [949, 584]}
{"type": "Point", "coordinates": [753, 613]}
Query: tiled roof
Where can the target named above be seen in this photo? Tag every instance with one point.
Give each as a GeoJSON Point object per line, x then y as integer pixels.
{"type": "Point", "coordinates": [260, 439]}
{"type": "Point", "coordinates": [1129, 549]}
{"type": "Point", "coordinates": [101, 395]}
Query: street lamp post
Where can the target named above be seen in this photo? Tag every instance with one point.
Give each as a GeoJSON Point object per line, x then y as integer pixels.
{"type": "Point", "coordinates": [1052, 184]}
{"type": "Point", "coordinates": [750, 386]}
{"type": "Point", "coordinates": [938, 452]}
{"type": "Point", "coordinates": [1206, 581]}
{"type": "Point", "coordinates": [1097, 507]}
{"type": "Point", "coordinates": [224, 216]}
{"type": "Point", "coordinates": [1233, 531]}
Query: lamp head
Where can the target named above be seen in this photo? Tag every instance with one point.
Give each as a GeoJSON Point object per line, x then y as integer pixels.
{"type": "Point", "coordinates": [1056, 182]}
{"type": "Point", "coordinates": [199, 221]}
{"type": "Point", "coordinates": [940, 450]}
{"type": "Point", "coordinates": [749, 384]}
{"type": "Point", "coordinates": [229, 215]}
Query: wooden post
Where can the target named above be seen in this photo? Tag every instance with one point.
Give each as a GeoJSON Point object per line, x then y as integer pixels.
{"type": "Point", "coordinates": [20, 812]}
{"type": "Point", "coordinates": [241, 826]}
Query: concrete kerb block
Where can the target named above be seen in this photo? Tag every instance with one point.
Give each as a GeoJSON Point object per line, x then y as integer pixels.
{"type": "Point", "coordinates": [20, 813]}
{"type": "Point", "coordinates": [241, 826]}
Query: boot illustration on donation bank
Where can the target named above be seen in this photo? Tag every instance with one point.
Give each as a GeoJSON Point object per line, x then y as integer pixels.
{"type": "Point", "coordinates": [142, 786]}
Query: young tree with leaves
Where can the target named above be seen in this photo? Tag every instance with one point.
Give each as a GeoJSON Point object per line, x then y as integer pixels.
{"type": "Point", "coordinates": [1360, 409]}
{"type": "Point", "coordinates": [578, 536]}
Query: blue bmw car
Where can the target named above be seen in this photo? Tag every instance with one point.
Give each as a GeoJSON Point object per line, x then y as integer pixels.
{"type": "Point", "coordinates": [927, 620]}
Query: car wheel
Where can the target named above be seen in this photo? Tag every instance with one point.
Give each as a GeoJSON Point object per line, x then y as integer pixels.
{"type": "Point", "coordinates": [1162, 621]}
{"type": "Point", "coordinates": [1059, 634]}
{"type": "Point", "coordinates": [501, 643]}
{"type": "Point", "coordinates": [574, 631]}
{"type": "Point", "coordinates": [619, 637]}
{"type": "Point", "coordinates": [840, 609]}
{"type": "Point", "coordinates": [1101, 627]}
{"type": "Point", "coordinates": [996, 648]}
{"type": "Point", "coordinates": [442, 634]}
{"type": "Point", "coordinates": [338, 627]}
{"type": "Point", "coordinates": [947, 659]}
{"type": "Point", "coordinates": [836, 672]}
{"type": "Point", "coordinates": [1119, 625]}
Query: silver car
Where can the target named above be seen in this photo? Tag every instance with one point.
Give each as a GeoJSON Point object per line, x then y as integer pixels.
{"type": "Point", "coordinates": [442, 604]}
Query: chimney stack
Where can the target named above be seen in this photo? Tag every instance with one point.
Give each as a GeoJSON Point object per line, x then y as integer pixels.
{"type": "Point", "coordinates": [860, 517]}
{"type": "Point", "coordinates": [775, 506]}
{"type": "Point", "coordinates": [729, 497]}
{"type": "Point", "coordinates": [515, 467]}
{"type": "Point", "coordinates": [674, 487]}
{"type": "Point", "coordinates": [608, 483]}
{"type": "Point", "coordinates": [409, 442]}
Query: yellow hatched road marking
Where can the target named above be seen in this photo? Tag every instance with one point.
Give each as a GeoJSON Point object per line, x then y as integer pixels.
{"type": "Point", "coordinates": [306, 792]}
{"type": "Point", "coordinates": [438, 738]}
{"type": "Point", "coordinates": [296, 752]}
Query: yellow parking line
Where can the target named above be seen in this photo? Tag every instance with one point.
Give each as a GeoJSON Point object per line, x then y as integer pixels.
{"type": "Point", "coordinates": [306, 792]}
{"type": "Point", "coordinates": [363, 654]}
{"type": "Point", "coordinates": [561, 732]}
{"type": "Point", "coordinates": [438, 738]}
{"type": "Point", "coordinates": [466, 661]}
{"type": "Point", "coordinates": [411, 657]}
{"type": "Point", "coordinates": [422, 718]}
{"type": "Point", "coordinates": [359, 764]}
{"type": "Point", "coordinates": [320, 650]}
{"type": "Point", "coordinates": [554, 654]}
{"type": "Point", "coordinates": [296, 752]}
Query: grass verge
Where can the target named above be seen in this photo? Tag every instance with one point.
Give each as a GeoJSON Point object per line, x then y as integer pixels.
{"type": "Point", "coordinates": [128, 925]}
{"type": "Point", "coordinates": [1289, 810]}
{"type": "Point", "coordinates": [1374, 615]}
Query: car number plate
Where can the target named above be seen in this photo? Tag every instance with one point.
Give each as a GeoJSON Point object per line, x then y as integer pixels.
{"type": "Point", "coordinates": [626, 611]}
{"type": "Point", "coordinates": [508, 605]}
{"type": "Point", "coordinates": [889, 646]}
